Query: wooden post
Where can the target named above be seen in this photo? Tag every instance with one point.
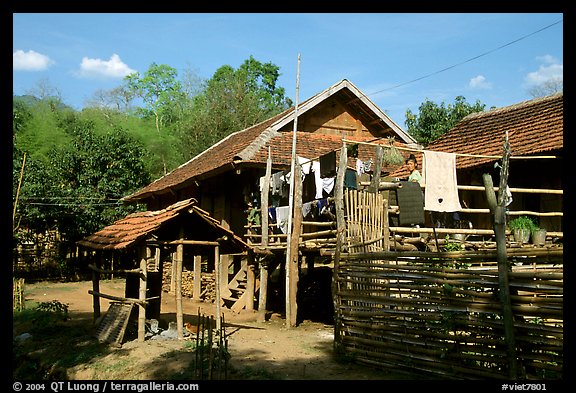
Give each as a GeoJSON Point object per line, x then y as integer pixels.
{"type": "Point", "coordinates": [142, 295]}
{"type": "Point", "coordinates": [263, 264]}
{"type": "Point", "coordinates": [217, 267]}
{"type": "Point", "coordinates": [263, 298]}
{"type": "Point", "coordinates": [178, 289]}
{"type": "Point", "coordinates": [250, 284]}
{"type": "Point", "coordinates": [96, 284]}
{"type": "Point", "coordinates": [503, 268]}
{"type": "Point", "coordinates": [386, 226]}
{"type": "Point", "coordinates": [157, 258]}
{"type": "Point", "coordinates": [294, 176]}
{"type": "Point", "coordinates": [375, 183]}
{"type": "Point", "coordinates": [197, 290]}
{"type": "Point", "coordinates": [292, 255]}
{"type": "Point", "coordinates": [341, 225]}
{"type": "Point", "coordinates": [264, 200]}
{"type": "Point", "coordinates": [173, 272]}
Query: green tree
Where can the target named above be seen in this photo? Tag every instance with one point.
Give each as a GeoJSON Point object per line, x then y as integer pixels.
{"type": "Point", "coordinates": [232, 100]}
{"type": "Point", "coordinates": [159, 89]}
{"type": "Point", "coordinates": [435, 120]}
{"type": "Point", "coordinates": [162, 95]}
{"type": "Point", "coordinates": [79, 190]}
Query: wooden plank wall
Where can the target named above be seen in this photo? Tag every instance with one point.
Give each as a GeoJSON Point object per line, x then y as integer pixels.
{"type": "Point", "coordinates": [444, 317]}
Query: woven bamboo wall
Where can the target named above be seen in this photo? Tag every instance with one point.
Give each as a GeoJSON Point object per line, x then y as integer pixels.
{"type": "Point", "coordinates": [443, 316]}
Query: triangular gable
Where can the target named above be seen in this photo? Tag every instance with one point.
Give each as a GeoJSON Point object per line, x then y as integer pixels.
{"type": "Point", "coordinates": [358, 96]}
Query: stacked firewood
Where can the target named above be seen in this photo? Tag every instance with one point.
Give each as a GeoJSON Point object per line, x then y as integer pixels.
{"type": "Point", "coordinates": [208, 282]}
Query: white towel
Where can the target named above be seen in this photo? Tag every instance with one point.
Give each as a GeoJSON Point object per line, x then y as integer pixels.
{"type": "Point", "coordinates": [282, 213]}
{"type": "Point", "coordinates": [441, 192]}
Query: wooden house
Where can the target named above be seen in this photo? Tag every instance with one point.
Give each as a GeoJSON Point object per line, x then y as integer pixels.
{"type": "Point", "coordinates": [535, 130]}
{"type": "Point", "coordinates": [225, 178]}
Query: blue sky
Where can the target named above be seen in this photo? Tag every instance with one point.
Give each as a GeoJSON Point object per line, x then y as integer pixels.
{"type": "Point", "coordinates": [398, 60]}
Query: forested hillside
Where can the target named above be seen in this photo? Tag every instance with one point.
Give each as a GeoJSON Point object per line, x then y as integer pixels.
{"type": "Point", "coordinates": [72, 167]}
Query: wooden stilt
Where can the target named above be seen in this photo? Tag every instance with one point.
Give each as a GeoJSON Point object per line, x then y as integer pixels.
{"type": "Point", "coordinates": [142, 295]}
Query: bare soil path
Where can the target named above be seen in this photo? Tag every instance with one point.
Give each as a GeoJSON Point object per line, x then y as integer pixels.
{"type": "Point", "coordinates": [259, 350]}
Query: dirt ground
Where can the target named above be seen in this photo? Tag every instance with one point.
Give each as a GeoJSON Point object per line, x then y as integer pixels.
{"type": "Point", "coordinates": [259, 350]}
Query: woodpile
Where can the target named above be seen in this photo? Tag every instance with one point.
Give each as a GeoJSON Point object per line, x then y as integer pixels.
{"type": "Point", "coordinates": [208, 292]}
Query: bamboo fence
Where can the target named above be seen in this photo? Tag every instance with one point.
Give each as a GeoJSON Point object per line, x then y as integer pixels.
{"type": "Point", "coordinates": [443, 315]}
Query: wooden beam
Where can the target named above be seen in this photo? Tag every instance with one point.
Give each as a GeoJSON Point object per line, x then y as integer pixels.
{"type": "Point", "coordinates": [142, 296]}
{"type": "Point", "coordinates": [178, 289]}
{"type": "Point", "coordinates": [197, 288]}
{"type": "Point", "coordinates": [217, 268]}
{"type": "Point", "coordinates": [121, 299]}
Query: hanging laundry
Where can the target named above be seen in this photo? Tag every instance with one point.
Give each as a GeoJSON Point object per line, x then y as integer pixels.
{"type": "Point", "coordinates": [308, 208]}
{"type": "Point", "coordinates": [277, 183]}
{"type": "Point", "coordinates": [328, 164]}
{"type": "Point", "coordinates": [282, 214]}
{"type": "Point", "coordinates": [351, 179]}
{"type": "Point", "coordinates": [316, 169]}
{"type": "Point", "coordinates": [367, 166]}
{"type": "Point", "coordinates": [410, 203]}
{"type": "Point", "coordinates": [439, 176]}
{"type": "Point", "coordinates": [272, 214]}
{"type": "Point", "coordinates": [305, 164]}
{"type": "Point", "coordinates": [328, 184]}
{"type": "Point", "coordinates": [359, 167]}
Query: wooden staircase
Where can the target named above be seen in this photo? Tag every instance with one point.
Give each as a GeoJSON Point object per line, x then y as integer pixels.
{"type": "Point", "coordinates": [236, 297]}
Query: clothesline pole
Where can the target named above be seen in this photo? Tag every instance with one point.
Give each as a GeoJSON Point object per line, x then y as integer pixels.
{"type": "Point", "coordinates": [289, 271]}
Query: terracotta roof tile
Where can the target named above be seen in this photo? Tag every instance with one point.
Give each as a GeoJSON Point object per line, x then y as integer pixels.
{"type": "Point", "coordinates": [137, 226]}
{"type": "Point", "coordinates": [534, 127]}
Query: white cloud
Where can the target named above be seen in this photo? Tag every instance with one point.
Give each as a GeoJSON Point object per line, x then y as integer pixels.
{"type": "Point", "coordinates": [551, 70]}
{"type": "Point", "coordinates": [479, 82]}
{"type": "Point", "coordinates": [113, 68]}
{"type": "Point", "coordinates": [30, 61]}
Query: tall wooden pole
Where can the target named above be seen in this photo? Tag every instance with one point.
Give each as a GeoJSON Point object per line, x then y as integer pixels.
{"type": "Point", "coordinates": [341, 226]}
{"type": "Point", "coordinates": [498, 210]}
{"type": "Point", "coordinates": [291, 203]}
{"type": "Point", "coordinates": [292, 264]}
{"type": "Point", "coordinates": [263, 293]}
{"type": "Point", "coordinates": [178, 289]}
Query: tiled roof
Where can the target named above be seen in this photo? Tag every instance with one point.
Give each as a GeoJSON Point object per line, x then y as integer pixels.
{"type": "Point", "coordinates": [137, 226]}
{"type": "Point", "coordinates": [534, 127]}
{"type": "Point", "coordinates": [216, 157]}
{"type": "Point", "coordinates": [249, 146]}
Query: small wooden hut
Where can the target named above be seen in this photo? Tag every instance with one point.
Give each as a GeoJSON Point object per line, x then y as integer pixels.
{"type": "Point", "coordinates": [142, 242]}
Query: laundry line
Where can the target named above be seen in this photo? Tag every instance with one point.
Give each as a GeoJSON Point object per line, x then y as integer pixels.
{"type": "Point", "coordinates": [457, 154]}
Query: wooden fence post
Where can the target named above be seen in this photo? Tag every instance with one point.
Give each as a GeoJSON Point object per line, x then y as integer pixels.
{"type": "Point", "coordinates": [500, 234]}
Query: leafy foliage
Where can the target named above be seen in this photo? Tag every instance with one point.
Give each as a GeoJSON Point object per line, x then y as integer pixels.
{"type": "Point", "coordinates": [435, 120]}
{"type": "Point", "coordinates": [79, 187]}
